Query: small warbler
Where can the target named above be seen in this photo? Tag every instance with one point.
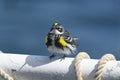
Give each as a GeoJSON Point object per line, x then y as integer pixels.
{"type": "Point", "coordinates": [58, 40]}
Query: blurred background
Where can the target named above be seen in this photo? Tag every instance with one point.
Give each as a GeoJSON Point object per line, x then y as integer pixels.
{"type": "Point", "coordinates": [25, 23]}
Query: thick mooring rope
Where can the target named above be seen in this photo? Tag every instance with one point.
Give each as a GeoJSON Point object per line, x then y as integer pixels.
{"type": "Point", "coordinates": [101, 65]}
{"type": "Point", "coordinates": [78, 59]}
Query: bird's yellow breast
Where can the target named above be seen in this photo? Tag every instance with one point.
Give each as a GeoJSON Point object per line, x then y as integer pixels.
{"type": "Point", "coordinates": [46, 39]}
{"type": "Point", "coordinates": [62, 41]}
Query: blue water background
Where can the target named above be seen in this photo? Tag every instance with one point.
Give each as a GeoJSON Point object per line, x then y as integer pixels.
{"type": "Point", "coordinates": [25, 23]}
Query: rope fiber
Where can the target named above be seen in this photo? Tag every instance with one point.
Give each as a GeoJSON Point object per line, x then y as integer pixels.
{"type": "Point", "coordinates": [101, 65]}
{"type": "Point", "coordinates": [3, 74]}
{"type": "Point", "coordinates": [78, 59]}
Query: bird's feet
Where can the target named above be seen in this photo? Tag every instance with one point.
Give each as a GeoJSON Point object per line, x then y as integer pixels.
{"type": "Point", "coordinates": [63, 57]}
{"type": "Point", "coordinates": [52, 56]}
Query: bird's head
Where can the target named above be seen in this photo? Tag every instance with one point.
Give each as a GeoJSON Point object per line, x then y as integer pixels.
{"type": "Point", "coordinates": [57, 28]}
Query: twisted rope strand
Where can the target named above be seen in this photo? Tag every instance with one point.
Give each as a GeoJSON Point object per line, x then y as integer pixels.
{"type": "Point", "coordinates": [3, 74]}
{"type": "Point", "coordinates": [101, 65]}
{"type": "Point", "coordinates": [78, 59]}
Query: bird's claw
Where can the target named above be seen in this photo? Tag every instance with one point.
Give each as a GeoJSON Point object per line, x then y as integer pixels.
{"type": "Point", "coordinates": [63, 58]}
{"type": "Point", "coordinates": [52, 56]}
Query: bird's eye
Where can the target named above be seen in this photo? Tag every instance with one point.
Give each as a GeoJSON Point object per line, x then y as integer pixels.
{"type": "Point", "coordinates": [60, 29]}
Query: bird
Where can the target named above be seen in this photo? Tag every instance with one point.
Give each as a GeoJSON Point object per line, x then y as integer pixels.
{"type": "Point", "coordinates": [59, 41]}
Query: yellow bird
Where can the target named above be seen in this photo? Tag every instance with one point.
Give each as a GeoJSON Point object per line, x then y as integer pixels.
{"type": "Point", "coordinates": [58, 40]}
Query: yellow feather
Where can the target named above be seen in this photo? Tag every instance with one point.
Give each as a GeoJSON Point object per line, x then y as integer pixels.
{"type": "Point", "coordinates": [46, 39]}
{"type": "Point", "coordinates": [56, 24]}
{"type": "Point", "coordinates": [62, 41]}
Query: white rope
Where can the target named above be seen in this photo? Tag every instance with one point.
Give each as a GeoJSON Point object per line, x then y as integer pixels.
{"type": "Point", "coordinates": [3, 74]}
{"type": "Point", "coordinates": [101, 65]}
{"type": "Point", "coordinates": [78, 59]}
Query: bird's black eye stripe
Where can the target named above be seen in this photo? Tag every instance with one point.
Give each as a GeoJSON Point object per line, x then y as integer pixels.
{"type": "Point", "coordinates": [60, 29]}
{"type": "Point", "coordinates": [51, 29]}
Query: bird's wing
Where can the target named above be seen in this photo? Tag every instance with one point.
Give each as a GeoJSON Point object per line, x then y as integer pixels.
{"type": "Point", "coordinates": [69, 39]}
